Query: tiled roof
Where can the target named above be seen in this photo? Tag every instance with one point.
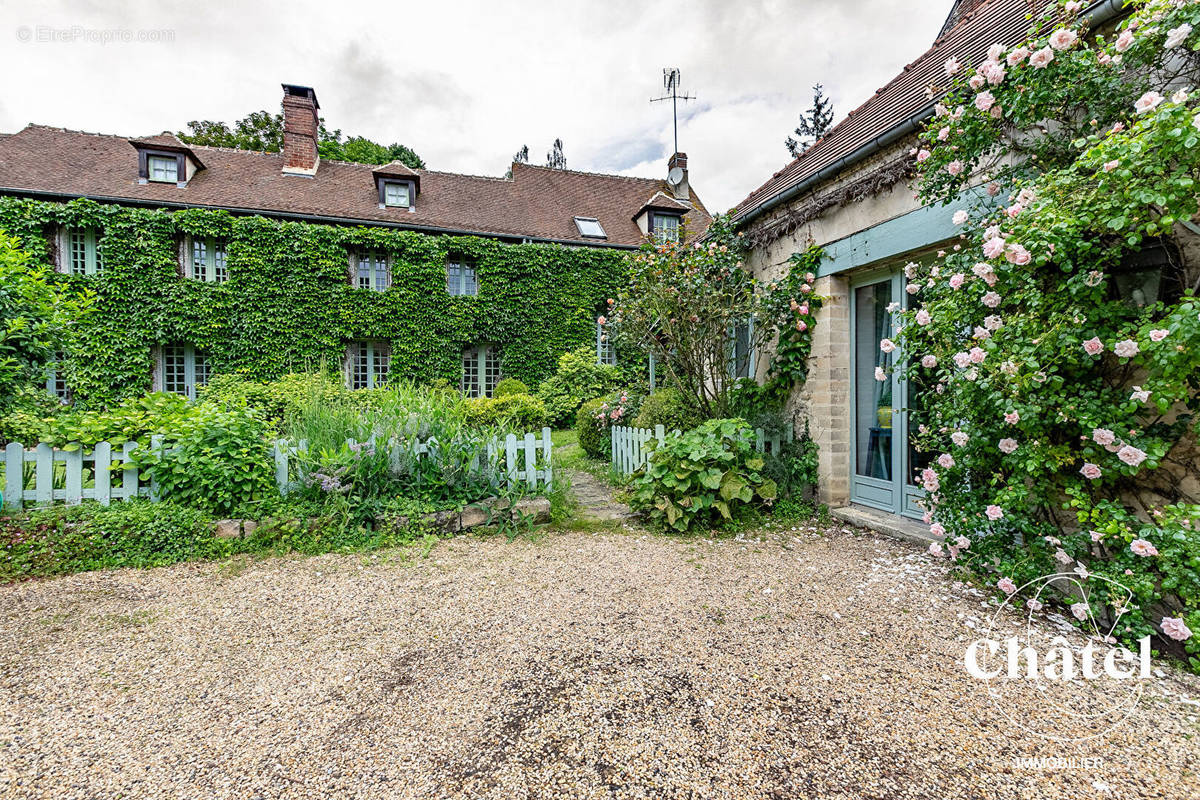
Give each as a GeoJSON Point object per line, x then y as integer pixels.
{"type": "Point", "coordinates": [536, 203]}
{"type": "Point", "coordinates": [992, 21]}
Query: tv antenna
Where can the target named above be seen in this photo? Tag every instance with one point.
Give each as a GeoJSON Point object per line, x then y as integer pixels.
{"type": "Point", "coordinates": [671, 80]}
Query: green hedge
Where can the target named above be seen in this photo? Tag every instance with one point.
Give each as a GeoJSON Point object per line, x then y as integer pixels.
{"type": "Point", "coordinates": [288, 306]}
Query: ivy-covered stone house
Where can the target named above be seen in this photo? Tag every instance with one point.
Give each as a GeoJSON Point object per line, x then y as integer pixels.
{"type": "Point", "coordinates": [852, 194]}
{"type": "Point", "coordinates": [208, 260]}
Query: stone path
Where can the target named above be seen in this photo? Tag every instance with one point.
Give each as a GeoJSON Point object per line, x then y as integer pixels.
{"type": "Point", "coordinates": [595, 498]}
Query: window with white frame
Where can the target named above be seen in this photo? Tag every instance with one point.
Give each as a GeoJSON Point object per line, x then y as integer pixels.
{"type": "Point", "coordinates": [372, 271]}
{"type": "Point", "coordinates": [162, 169]}
{"type": "Point", "coordinates": [183, 369]}
{"type": "Point", "coordinates": [84, 255]}
{"type": "Point", "coordinates": [605, 353]}
{"type": "Point", "coordinates": [665, 227]}
{"type": "Point", "coordinates": [56, 381]}
{"type": "Point", "coordinates": [480, 370]}
{"type": "Point", "coordinates": [461, 278]}
{"type": "Point", "coordinates": [395, 194]}
{"type": "Point", "coordinates": [208, 260]}
{"type": "Point", "coordinates": [368, 364]}
{"type": "Point", "coordinates": [590, 228]}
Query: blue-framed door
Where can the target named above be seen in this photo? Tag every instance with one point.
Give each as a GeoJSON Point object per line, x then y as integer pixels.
{"type": "Point", "coordinates": [882, 463]}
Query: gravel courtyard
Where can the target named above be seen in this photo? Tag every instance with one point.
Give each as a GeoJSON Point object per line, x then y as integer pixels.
{"type": "Point", "coordinates": [580, 665]}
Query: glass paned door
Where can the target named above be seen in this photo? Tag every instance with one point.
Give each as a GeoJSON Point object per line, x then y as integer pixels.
{"type": "Point", "coordinates": [880, 457]}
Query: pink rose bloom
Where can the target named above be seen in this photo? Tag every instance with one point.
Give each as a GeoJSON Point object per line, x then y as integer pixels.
{"type": "Point", "coordinates": [959, 438]}
{"type": "Point", "coordinates": [935, 549]}
{"type": "Point", "coordinates": [810, 277]}
{"type": "Point", "coordinates": [1093, 346]}
{"type": "Point", "coordinates": [927, 517]}
{"type": "Point", "coordinates": [943, 134]}
{"type": "Point", "coordinates": [993, 189]}
{"type": "Point", "coordinates": [956, 280]}
{"type": "Point", "coordinates": [1073, 7]}
{"type": "Point", "coordinates": [982, 333]}
{"type": "Point", "coordinates": [1143, 548]}
{"type": "Point", "coordinates": [993, 512]}
{"type": "Point", "coordinates": [960, 217]}
{"type": "Point", "coordinates": [1139, 394]}
{"type": "Point", "coordinates": [952, 66]}
{"type": "Point", "coordinates": [1033, 605]}
{"type": "Point", "coordinates": [1063, 39]}
{"type": "Point", "coordinates": [991, 299]}
{"type": "Point", "coordinates": [962, 360]}
{"type": "Point", "coordinates": [1103, 436]}
{"type": "Point", "coordinates": [923, 317]}
{"type": "Point", "coordinates": [1120, 126]}
{"type": "Point", "coordinates": [1097, 536]}
{"type": "Point", "coordinates": [1017, 56]}
{"type": "Point", "coordinates": [976, 82]}
{"type": "Point", "coordinates": [1026, 197]}
{"type": "Point", "coordinates": [923, 155]}
{"type": "Point", "coordinates": [1104, 59]}
{"type": "Point", "coordinates": [1012, 418]}
{"type": "Point", "coordinates": [1090, 471]}
{"type": "Point", "coordinates": [993, 247]}
{"type": "Point", "coordinates": [1081, 611]}
{"type": "Point", "coordinates": [1006, 585]}
{"type": "Point", "coordinates": [1013, 210]}
{"type": "Point", "coordinates": [880, 375]}
{"type": "Point", "coordinates": [995, 51]}
{"type": "Point", "coordinates": [992, 322]}
{"type": "Point", "coordinates": [977, 355]}
{"type": "Point", "coordinates": [962, 543]}
{"type": "Point", "coordinates": [1131, 455]}
{"type": "Point", "coordinates": [602, 320]}
{"type": "Point", "coordinates": [1008, 446]}
{"type": "Point", "coordinates": [1175, 628]}
{"type": "Point", "coordinates": [997, 111]}
{"type": "Point", "coordinates": [1124, 41]}
{"type": "Point", "coordinates": [801, 325]}
{"type": "Point", "coordinates": [955, 167]}
{"type": "Point", "coordinates": [1109, 166]}
{"type": "Point", "coordinates": [938, 530]}
{"type": "Point", "coordinates": [1126, 349]}
{"type": "Point", "coordinates": [929, 362]}
{"type": "Point", "coordinates": [945, 461]}
{"type": "Point", "coordinates": [1158, 334]}
{"type": "Point", "coordinates": [887, 345]}
{"type": "Point", "coordinates": [1017, 254]}
{"type": "Point", "coordinates": [803, 308]}
{"type": "Point", "coordinates": [1147, 102]}
{"type": "Point", "coordinates": [1060, 555]}
{"type": "Point", "coordinates": [985, 100]}
{"type": "Point", "coordinates": [1177, 36]}
{"type": "Point", "coordinates": [1042, 58]}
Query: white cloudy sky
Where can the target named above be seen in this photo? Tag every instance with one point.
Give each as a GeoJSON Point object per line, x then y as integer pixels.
{"type": "Point", "coordinates": [466, 82]}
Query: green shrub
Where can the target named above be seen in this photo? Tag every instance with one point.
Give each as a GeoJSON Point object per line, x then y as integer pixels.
{"type": "Point", "coordinates": [213, 459]}
{"type": "Point", "coordinates": [510, 386]}
{"type": "Point", "coordinates": [707, 475]}
{"type": "Point", "coordinates": [667, 407]}
{"type": "Point", "coordinates": [276, 399]}
{"type": "Point", "coordinates": [28, 416]}
{"type": "Point", "coordinates": [579, 378]}
{"type": "Point", "coordinates": [131, 420]}
{"type": "Point", "coordinates": [523, 412]}
{"type": "Point", "coordinates": [594, 438]}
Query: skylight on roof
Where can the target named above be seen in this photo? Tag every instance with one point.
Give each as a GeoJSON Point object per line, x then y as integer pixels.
{"type": "Point", "coordinates": [590, 227]}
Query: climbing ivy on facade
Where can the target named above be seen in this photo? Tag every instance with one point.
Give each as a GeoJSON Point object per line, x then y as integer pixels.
{"type": "Point", "coordinates": [224, 294]}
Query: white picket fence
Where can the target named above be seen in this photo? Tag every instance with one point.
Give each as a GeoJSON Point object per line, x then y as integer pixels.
{"type": "Point", "coordinates": [43, 475]}
{"type": "Point", "coordinates": [629, 451]}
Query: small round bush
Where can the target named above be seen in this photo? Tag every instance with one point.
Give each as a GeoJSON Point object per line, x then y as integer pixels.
{"type": "Point", "coordinates": [509, 386]}
{"type": "Point", "coordinates": [521, 411]}
{"type": "Point", "coordinates": [595, 440]}
{"type": "Point", "coordinates": [667, 407]}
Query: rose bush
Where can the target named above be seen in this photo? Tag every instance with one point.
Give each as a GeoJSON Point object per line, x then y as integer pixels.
{"type": "Point", "coordinates": [1061, 415]}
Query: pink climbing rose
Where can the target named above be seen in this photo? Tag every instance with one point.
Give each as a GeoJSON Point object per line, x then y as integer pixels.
{"type": "Point", "coordinates": [1175, 628]}
{"type": "Point", "coordinates": [1143, 548]}
{"type": "Point", "coordinates": [955, 168]}
{"type": "Point", "coordinates": [1042, 58]}
{"type": "Point", "coordinates": [1012, 418]}
{"type": "Point", "coordinates": [991, 299]}
{"type": "Point", "coordinates": [938, 530]}
{"type": "Point", "coordinates": [956, 280]}
{"type": "Point", "coordinates": [1006, 585]}
{"type": "Point", "coordinates": [1093, 346]}
{"type": "Point", "coordinates": [929, 362]}
{"type": "Point", "coordinates": [945, 461]}
{"type": "Point", "coordinates": [1103, 436]}
{"type": "Point", "coordinates": [993, 247]}
{"type": "Point", "coordinates": [887, 345]}
{"type": "Point", "coordinates": [1063, 39]}
{"type": "Point", "coordinates": [1147, 102]}
{"type": "Point", "coordinates": [1090, 471]}
{"type": "Point", "coordinates": [960, 217]}
{"type": "Point", "coordinates": [1007, 445]}
{"type": "Point", "coordinates": [923, 317]}
{"type": "Point", "coordinates": [1126, 349]}
{"type": "Point", "coordinates": [959, 438]}
{"type": "Point", "coordinates": [985, 100]}
{"type": "Point", "coordinates": [1081, 611]}
{"type": "Point", "coordinates": [1177, 36]}
{"type": "Point", "coordinates": [1158, 334]}
{"type": "Point", "coordinates": [1131, 455]}
{"type": "Point", "coordinates": [1124, 41]}
{"type": "Point", "coordinates": [1109, 166]}
{"type": "Point", "coordinates": [1017, 254]}
{"type": "Point", "coordinates": [993, 512]}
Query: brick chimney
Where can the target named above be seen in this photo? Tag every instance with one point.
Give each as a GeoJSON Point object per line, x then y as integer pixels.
{"type": "Point", "coordinates": [300, 125]}
{"type": "Point", "coordinates": [680, 188]}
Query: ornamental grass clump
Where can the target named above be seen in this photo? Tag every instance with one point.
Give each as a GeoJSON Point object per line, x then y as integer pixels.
{"type": "Point", "coordinates": [1055, 348]}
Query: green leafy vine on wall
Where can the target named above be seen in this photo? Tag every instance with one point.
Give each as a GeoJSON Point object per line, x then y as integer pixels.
{"type": "Point", "coordinates": [288, 304]}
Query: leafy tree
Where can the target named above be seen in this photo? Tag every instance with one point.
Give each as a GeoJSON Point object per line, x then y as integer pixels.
{"type": "Point", "coordinates": [262, 130]}
{"type": "Point", "coordinates": [522, 155]}
{"type": "Point", "coordinates": [814, 123]}
{"type": "Point", "coordinates": [555, 159]}
{"type": "Point", "coordinates": [36, 318]}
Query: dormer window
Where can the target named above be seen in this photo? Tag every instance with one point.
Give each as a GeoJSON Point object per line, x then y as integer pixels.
{"type": "Point", "coordinates": [664, 227]}
{"type": "Point", "coordinates": [163, 169]}
{"type": "Point", "coordinates": [590, 228]}
{"type": "Point", "coordinates": [395, 194]}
